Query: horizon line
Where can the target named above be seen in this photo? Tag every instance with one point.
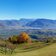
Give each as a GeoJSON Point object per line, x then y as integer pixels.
{"type": "Point", "coordinates": [27, 18]}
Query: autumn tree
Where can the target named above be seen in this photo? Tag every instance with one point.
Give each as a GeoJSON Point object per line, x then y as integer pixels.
{"type": "Point", "coordinates": [22, 37]}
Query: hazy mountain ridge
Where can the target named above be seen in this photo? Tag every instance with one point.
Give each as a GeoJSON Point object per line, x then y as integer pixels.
{"type": "Point", "coordinates": [43, 23]}
{"type": "Point", "coordinates": [28, 23]}
{"type": "Point", "coordinates": [15, 22]}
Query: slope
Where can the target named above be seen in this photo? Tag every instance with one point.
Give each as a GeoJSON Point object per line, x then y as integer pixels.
{"type": "Point", "coordinates": [46, 51]}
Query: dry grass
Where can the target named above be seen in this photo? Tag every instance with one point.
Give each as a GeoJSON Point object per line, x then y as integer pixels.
{"type": "Point", "coordinates": [46, 51]}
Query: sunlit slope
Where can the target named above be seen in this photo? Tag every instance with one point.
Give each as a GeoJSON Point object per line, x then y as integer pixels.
{"type": "Point", "coordinates": [46, 51]}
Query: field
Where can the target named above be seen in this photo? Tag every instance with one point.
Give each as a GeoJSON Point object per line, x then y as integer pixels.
{"type": "Point", "coordinates": [37, 43]}
{"type": "Point", "coordinates": [36, 49]}
{"type": "Point", "coordinates": [47, 51]}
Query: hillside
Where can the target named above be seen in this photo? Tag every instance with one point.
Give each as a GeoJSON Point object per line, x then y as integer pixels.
{"type": "Point", "coordinates": [24, 21]}
{"type": "Point", "coordinates": [46, 51]}
{"type": "Point", "coordinates": [15, 22]}
{"type": "Point", "coordinates": [43, 23]}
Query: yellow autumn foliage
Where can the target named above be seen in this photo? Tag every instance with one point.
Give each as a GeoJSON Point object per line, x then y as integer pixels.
{"type": "Point", "coordinates": [22, 37]}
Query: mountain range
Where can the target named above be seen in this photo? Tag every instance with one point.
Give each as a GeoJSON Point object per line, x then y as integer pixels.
{"type": "Point", "coordinates": [29, 23]}
{"type": "Point", "coordinates": [43, 23]}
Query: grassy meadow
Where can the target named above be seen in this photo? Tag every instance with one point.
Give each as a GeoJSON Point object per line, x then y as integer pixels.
{"type": "Point", "coordinates": [46, 51]}
{"type": "Point", "coordinates": [24, 45]}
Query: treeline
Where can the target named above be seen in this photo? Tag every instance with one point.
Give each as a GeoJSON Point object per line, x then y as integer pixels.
{"type": "Point", "coordinates": [24, 37]}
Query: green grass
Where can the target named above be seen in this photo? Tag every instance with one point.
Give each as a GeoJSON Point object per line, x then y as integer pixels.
{"type": "Point", "coordinates": [46, 51]}
{"type": "Point", "coordinates": [34, 49]}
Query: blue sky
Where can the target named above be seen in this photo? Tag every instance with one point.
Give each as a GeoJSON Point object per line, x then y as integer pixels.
{"type": "Point", "coordinates": [16, 9]}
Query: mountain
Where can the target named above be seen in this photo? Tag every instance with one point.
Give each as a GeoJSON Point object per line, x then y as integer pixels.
{"type": "Point", "coordinates": [43, 23]}
{"type": "Point", "coordinates": [24, 21]}
{"type": "Point", "coordinates": [28, 24]}
{"type": "Point", "coordinates": [16, 24]}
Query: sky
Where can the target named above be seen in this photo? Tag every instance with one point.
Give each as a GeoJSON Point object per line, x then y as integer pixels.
{"type": "Point", "coordinates": [16, 9]}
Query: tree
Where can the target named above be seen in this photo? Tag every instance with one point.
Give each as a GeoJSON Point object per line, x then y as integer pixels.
{"type": "Point", "coordinates": [22, 37]}
{"type": "Point", "coordinates": [13, 39]}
